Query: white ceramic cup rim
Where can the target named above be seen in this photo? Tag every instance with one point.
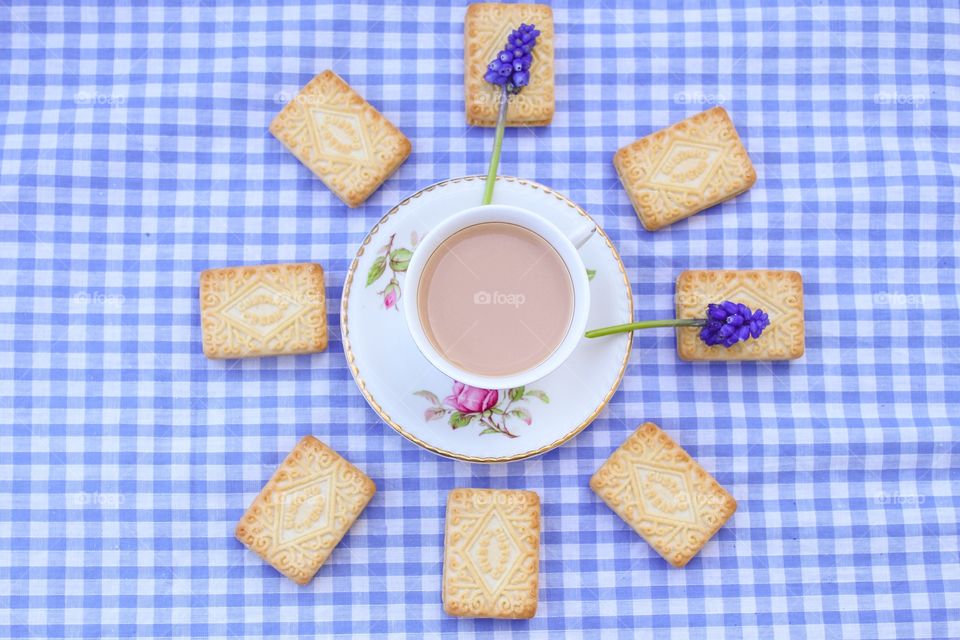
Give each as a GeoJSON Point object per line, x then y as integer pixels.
{"type": "Point", "coordinates": [545, 229]}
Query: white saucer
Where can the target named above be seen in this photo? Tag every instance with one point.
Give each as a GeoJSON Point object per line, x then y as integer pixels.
{"type": "Point", "coordinates": [410, 394]}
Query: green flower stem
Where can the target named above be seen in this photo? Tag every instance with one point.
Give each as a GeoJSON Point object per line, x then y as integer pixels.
{"type": "Point", "coordinates": [647, 324]}
{"type": "Point", "coordinates": [497, 145]}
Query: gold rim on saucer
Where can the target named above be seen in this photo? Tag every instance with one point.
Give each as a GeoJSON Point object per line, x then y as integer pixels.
{"type": "Point", "coordinates": [351, 359]}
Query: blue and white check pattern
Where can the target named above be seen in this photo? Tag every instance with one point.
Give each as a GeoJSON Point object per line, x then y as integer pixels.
{"type": "Point", "coordinates": [135, 154]}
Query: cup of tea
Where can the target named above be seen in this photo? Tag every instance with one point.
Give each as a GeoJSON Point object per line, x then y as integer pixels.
{"type": "Point", "coordinates": [498, 296]}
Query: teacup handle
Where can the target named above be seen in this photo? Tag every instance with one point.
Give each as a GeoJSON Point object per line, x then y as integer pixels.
{"type": "Point", "coordinates": [579, 237]}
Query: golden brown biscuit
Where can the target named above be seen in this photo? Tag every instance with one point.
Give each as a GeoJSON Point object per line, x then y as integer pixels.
{"type": "Point", "coordinates": [660, 491]}
{"type": "Point", "coordinates": [485, 32]}
{"type": "Point", "coordinates": [340, 137]}
{"type": "Point", "coordinates": [266, 310]}
{"type": "Point", "coordinates": [685, 168]}
{"type": "Point", "coordinates": [778, 293]}
{"type": "Point", "coordinates": [305, 509]}
{"type": "Point", "coordinates": [491, 558]}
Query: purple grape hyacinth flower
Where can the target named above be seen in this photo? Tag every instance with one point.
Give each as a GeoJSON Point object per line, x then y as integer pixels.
{"type": "Point", "coordinates": [511, 68]}
{"type": "Point", "coordinates": [730, 322]}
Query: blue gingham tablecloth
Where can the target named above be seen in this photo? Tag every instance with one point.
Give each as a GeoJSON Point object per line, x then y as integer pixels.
{"type": "Point", "coordinates": [135, 154]}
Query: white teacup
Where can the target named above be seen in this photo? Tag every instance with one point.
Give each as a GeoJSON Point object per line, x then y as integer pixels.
{"type": "Point", "coordinates": [565, 246]}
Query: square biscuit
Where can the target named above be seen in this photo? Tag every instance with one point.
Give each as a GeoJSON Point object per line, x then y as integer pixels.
{"type": "Point", "coordinates": [485, 32]}
{"type": "Point", "coordinates": [491, 553]}
{"type": "Point", "coordinates": [664, 494]}
{"type": "Point", "coordinates": [778, 293]}
{"type": "Point", "coordinates": [308, 505]}
{"type": "Point", "coordinates": [265, 310]}
{"type": "Point", "coordinates": [686, 168]}
{"type": "Point", "coordinates": [339, 136]}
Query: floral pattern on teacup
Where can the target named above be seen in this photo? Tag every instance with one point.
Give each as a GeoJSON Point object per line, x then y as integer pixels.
{"type": "Point", "coordinates": [396, 260]}
{"type": "Point", "coordinates": [492, 409]}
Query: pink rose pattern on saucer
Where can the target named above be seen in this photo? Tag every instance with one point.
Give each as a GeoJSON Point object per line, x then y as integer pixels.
{"type": "Point", "coordinates": [492, 409]}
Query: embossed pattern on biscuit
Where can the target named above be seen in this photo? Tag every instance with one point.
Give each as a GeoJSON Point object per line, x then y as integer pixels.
{"type": "Point", "coordinates": [685, 168]}
{"type": "Point", "coordinates": [779, 293]}
{"type": "Point", "coordinates": [339, 136]}
{"type": "Point", "coordinates": [486, 28]}
{"type": "Point", "coordinates": [305, 509]}
{"type": "Point", "coordinates": [263, 310]}
{"type": "Point", "coordinates": [663, 493]}
{"type": "Point", "coordinates": [491, 562]}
